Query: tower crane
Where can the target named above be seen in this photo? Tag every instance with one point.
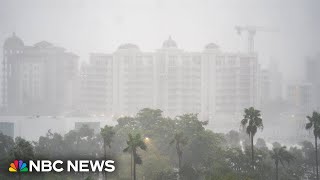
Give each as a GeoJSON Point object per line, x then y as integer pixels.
{"type": "Point", "coordinates": [251, 33]}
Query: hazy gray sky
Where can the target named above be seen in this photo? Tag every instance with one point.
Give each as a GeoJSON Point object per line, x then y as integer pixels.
{"type": "Point", "coordinates": [84, 26]}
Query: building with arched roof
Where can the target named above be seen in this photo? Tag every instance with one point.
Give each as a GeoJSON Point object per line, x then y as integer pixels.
{"type": "Point", "coordinates": [169, 44]}
{"type": "Point", "coordinates": [209, 82]}
{"type": "Point", "coordinates": [36, 79]}
{"type": "Point", "coordinates": [13, 42]}
{"type": "Point", "coordinates": [42, 79]}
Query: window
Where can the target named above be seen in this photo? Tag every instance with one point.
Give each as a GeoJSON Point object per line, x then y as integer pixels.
{"type": "Point", "coordinates": [172, 60]}
{"type": "Point", "coordinates": [126, 60]}
{"type": "Point", "coordinates": [232, 60]}
{"type": "Point", "coordinates": [196, 60]}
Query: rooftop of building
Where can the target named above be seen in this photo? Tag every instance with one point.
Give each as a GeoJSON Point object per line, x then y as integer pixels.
{"type": "Point", "coordinates": [211, 46]}
{"type": "Point", "coordinates": [128, 46]}
{"type": "Point", "coordinates": [169, 43]}
{"type": "Point", "coordinates": [13, 42]}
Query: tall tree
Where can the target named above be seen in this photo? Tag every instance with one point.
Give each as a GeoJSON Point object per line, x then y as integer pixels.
{"type": "Point", "coordinates": [107, 134]}
{"type": "Point", "coordinates": [50, 146]}
{"type": "Point", "coordinates": [180, 140]}
{"type": "Point", "coordinates": [252, 121]}
{"type": "Point", "coordinates": [314, 122]}
{"type": "Point", "coordinates": [280, 154]}
{"type": "Point", "coordinates": [22, 150]}
{"type": "Point", "coordinates": [149, 118]}
{"type": "Point", "coordinates": [309, 154]}
{"type": "Point", "coordinates": [134, 143]}
{"type": "Point", "coordinates": [6, 144]}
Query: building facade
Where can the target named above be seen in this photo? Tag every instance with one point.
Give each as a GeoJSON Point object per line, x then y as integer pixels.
{"type": "Point", "coordinates": [134, 80]}
{"type": "Point", "coordinates": [211, 83]}
{"type": "Point", "coordinates": [178, 76]}
{"type": "Point", "coordinates": [7, 128]}
{"type": "Point", "coordinates": [96, 85]}
{"type": "Point", "coordinates": [299, 97]}
{"type": "Point", "coordinates": [312, 76]}
{"type": "Point", "coordinates": [37, 79]}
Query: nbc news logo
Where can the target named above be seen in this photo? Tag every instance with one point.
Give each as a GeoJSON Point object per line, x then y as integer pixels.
{"type": "Point", "coordinates": [18, 165]}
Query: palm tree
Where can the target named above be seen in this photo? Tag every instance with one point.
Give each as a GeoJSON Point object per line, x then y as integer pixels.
{"type": "Point", "coordinates": [180, 141]}
{"type": "Point", "coordinates": [314, 122]}
{"type": "Point", "coordinates": [252, 121]}
{"type": "Point", "coordinates": [280, 154]}
{"type": "Point", "coordinates": [107, 134]}
{"type": "Point", "coordinates": [135, 142]}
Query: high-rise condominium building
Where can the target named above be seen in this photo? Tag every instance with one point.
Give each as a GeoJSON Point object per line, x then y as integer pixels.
{"type": "Point", "coordinates": [96, 85]}
{"type": "Point", "coordinates": [120, 83]}
{"type": "Point", "coordinates": [313, 74]}
{"type": "Point", "coordinates": [37, 79]}
{"type": "Point", "coordinates": [210, 82]}
{"type": "Point", "coordinates": [178, 82]}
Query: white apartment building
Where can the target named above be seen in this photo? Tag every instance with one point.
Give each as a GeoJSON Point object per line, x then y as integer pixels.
{"type": "Point", "coordinates": [230, 83]}
{"type": "Point", "coordinates": [134, 80]}
{"type": "Point", "coordinates": [210, 82]}
{"type": "Point", "coordinates": [37, 79]}
{"type": "Point", "coordinates": [179, 80]}
{"type": "Point", "coordinates": [96, 85]}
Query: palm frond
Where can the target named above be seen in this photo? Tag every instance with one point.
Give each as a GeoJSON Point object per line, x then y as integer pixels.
{"type": "Point", "coordinates": [244, 122]}
{"type": "Point", "coordinates": [309, 125]}
{"type": "Point", "coordinates": [142, 145]}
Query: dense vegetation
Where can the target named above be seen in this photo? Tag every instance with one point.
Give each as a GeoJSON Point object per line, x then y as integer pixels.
{"type": "Point", "coordinates": [152, 147]}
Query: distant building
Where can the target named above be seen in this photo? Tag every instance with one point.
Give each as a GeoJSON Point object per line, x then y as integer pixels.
{"type": "Point", "coordinates": [209, 82]}
{"type": "Point", "coordinates": [271, 84]}
{"type": "Point", "coordinates": [276, 81]}
{"type": "Point", "coordinates": [92, 125]}
{"type": "Point", "coordinates": [37, 79]}
{"type": "Point", "coordinates": [7, 128]}
{"type": "Point", "coordinates": [44, 79]}
{"type": "Point", "coordinates": [299, 97]}
{"type": "Point", "coordinates": [265, 86]}
{"type": "Point", "coordinates": [233, 81]}
{"type": "Point", "coordinates": [230, 83]}
{"type": "Point", "coordinates": [178, 75]}
{"type": "Point", "coordinates": [134, 79]}
{"type": "Point", "coordinates": [312, 75]}
{"type": "Point", "coordinates": [96, 85]}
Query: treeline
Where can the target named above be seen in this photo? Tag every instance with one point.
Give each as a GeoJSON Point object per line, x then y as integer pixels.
{"type": "Point", "coordinates": [150, 146]}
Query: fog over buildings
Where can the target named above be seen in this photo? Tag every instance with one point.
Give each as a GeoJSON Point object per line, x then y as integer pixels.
{"type": "Point", "coordinates": [110, 59]}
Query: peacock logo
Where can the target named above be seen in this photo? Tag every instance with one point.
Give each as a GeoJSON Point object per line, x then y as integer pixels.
{"type": "Point", "coordinates": [18, 166]}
